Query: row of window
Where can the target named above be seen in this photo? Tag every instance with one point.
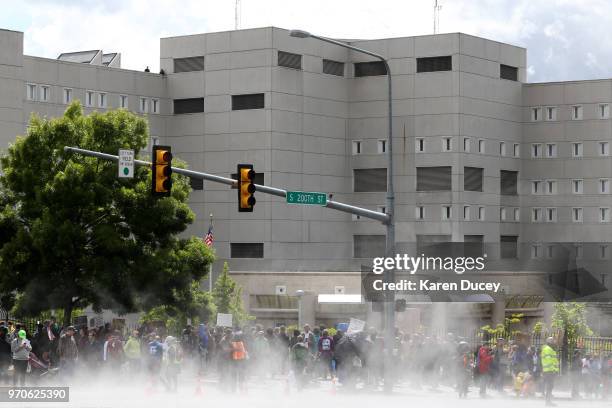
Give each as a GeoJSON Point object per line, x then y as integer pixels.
{"type": "Point", "coordinates": [549, 150]}
{"type": "Point", "coordinates": [549, 113]}
{"type": "Point", "coordinates": [362, 69]}
{"type": "Point", "coordinates": [550, 214]}
{"type": "Point", "coordinates": [436, 178]}
{"type": "Point", "coordinates": [447, 146]}
{"type": "Point", "coordinates": [369, 246]}
{"type": "Point", "coordinates": [239, 102]}
{"type": "Point", "coordinates": [549, 187]}
{"type": "Point", "coordinates": [42, 93]}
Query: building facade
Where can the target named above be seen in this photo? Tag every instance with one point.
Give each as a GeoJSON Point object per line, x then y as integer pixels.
{"type": "Point", "coordinates": [479, 154]}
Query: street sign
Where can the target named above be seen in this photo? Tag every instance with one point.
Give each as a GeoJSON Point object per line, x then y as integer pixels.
{"type": "Point", "coordinates": [306, 198]}
{"type": "Point", "coordinates": [126, 163]}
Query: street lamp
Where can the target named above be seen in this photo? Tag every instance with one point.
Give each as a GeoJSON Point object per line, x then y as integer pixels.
{"type": "Point", "coordinates": [390, 224]}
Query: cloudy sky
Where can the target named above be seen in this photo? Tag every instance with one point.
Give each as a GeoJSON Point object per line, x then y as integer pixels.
{"type": "Point", "coordinates": [566, 39]}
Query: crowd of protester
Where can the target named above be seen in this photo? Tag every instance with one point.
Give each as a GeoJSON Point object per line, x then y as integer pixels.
{"type": "Point", "coordinates": [304, 355]}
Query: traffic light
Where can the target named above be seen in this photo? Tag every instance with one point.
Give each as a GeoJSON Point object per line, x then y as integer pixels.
{"type": "Point", "coordinates": [246, 188]}
{"type": "Point", "coordinates": [162, 171]}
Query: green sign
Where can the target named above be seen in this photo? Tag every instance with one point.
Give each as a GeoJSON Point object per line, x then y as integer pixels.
{"type": "Point", "coordinates": [306, 198]}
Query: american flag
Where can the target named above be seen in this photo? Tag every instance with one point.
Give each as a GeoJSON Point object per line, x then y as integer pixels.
{"type": "Point", "coordinates": [209, 238]}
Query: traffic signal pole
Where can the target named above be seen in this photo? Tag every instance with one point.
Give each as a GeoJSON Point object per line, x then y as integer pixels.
{"type": "Point", "coordinates": [279, 192]}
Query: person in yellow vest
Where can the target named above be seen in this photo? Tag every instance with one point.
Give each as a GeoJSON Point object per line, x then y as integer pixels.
{"type": "Point", "coordinates": [550, 369]}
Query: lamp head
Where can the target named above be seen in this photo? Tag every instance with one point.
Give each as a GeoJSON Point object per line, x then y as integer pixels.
{"type": "Point", "coordinates": [299, 33]}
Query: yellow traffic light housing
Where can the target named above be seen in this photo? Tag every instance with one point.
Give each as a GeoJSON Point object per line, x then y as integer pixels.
{"type": "Point", "coordinates": [246, 188]}
{"type": "Point", "coordinates": [162, 171]}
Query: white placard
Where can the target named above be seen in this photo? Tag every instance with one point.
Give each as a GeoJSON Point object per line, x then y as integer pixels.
{"type": "Point", "coordinates": [126, 163]}
{"type": "Point", "coordinates": [355, 326]}
{"type": "Point", "coordinates": [224, 319]}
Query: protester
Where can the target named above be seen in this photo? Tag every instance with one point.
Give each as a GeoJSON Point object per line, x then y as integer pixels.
{"type": "Point", "coordinates": [132, 352]}
{"type": "Point", "coordinates": [20, 347]}
{"type": "Point", "coordinates": [326, 352]}
{"type": "Point", "coordinates": [5, 354]}
{"type": "Point", "coordinates": [68, 352]}
{"type": "Point", "coordinates": [173, 358]}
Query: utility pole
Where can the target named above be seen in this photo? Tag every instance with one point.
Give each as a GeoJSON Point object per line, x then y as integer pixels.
{"type": "Point", "coordinates": [436, 22]}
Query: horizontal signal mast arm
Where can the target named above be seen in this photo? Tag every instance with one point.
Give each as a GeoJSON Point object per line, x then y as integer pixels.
{"type": "Point", "coordinates": [334, 205]}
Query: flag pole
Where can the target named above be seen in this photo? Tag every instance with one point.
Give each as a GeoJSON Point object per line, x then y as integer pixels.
{"type": "Point", "coordinates": [210, 265]}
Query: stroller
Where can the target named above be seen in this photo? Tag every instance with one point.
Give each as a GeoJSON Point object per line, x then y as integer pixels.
{"type": "Point", "coordinates": [40, 369]}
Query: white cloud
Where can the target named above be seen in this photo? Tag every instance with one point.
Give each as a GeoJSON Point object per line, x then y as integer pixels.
{"type": "Point", "coordinates": [555, 32]}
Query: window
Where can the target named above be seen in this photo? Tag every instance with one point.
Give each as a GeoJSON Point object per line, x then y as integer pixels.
{"type": "Point", "coordinates": [604, 214]}
{"type": "Point", "coordinates": [551, 113]}
{"type": "Point", "coordinates": [431, 64]}
{"type": "Point", "coordinates": [508, 246]}
{"type": "Point", "coordinates": [420, 212]}
{"type": "Point", "coordinates": [370, 180]}
{"type": "Point", "coordinates": [551, 150]}
{"type": "Point", "coordinates": [481, 213]}
{"type": "Point", "coordinates": [502, 148]}
{"type": "Point", "coordinates": [434, 178]}
{"type": "Point", "coordinates": [604, 148]}
{"type": "Point", "coordinates": [246, 250]}
{"type": "Point", "coordinates": [67, 95]}
{"type": "Point", "coordinates": [123, 101]}
{"type": "Point", "coordinates": [604, 111]}
{"type": "Point", "coordinates": [550, 251]}
{"type": "Point", "coordinates": [144, 105]}
{"type": "Point", "coordinates": [472, 178]}
{"type": "Point", "coordinates": [45, 93]}
{"type": "Point", "coordinates": [466, 144]}
{"type": "Point", "coordinates": [481, 146]}
{"type": "Point", "coordinates": [502, 214]}
{"type": "Point", "coordinates": [536, 150]}
{"type": "Point", "coordinates": [536, 214]}
{"type": "Point", "coordinates": [447, 212]}
{"type": "Point", "coordinates": [577, 186]}
{"type": "Point", "coordinates": [536, 114]}
{"type": "Point", "coordinates": [190, 105]}
{"type": "Point", "coordinates": [356, 147]}
{"type": "Point", "coordinates": [31, 92]}
{"type": "Point", "coordinates": [447, 144]}
{"type": "Point", "coordinates": [355, 217]}
{"type": "Point", "coordinates": [89, 98]}
{"type": "Point", "coordinates": [536, 187]}
{"type": "Point", "coordinates": [381, 209]}
{"type": "Point", "coordinates": [466, 212]}
{"type": "Point", "coordinates": [382, 146]}
{"type": "Point", "coordinates": [508, 182]}
{"type": "Point", "coordinates": [368, 246]}
{"type": "Point", "coordinates": [604, 186]}
{"type": "Point", "coordinates": [516, 150]}
{"type": "Point", "coordinates": [536, 250]}
{"type": "Point", "coordinates": [289, 60]}
{"type": "Point", "coordinates": [577, 112]}
{"type": "Point", "coordinates": [251, 101]}
{"type": "Point", "coordinates": [576, 214]}
{"type": "Point", "coordinates": [196, 184]}
{"type": "Point", "coordinates": [603, 251]}
{"type": "Point", "coordinates": [576, 149]}
{"type": "Point", "coordinates": [551, 215]}
{"type": "Point", "coordinates": [517, 214]}
{"type": "Point", "coordinates": [372, 68]}
{"type": "Point", "coordinates": [420, 145]}
{"type": "Point", "coordinates": [102, 100]}
{"type": "Point", "coordinates": [333, 67]}
{"type": "Point", "coordinates": [578, 248]}
{"type": "Point", "coordinates": [155, 105]}
{"type": "Point", "coordinates": [508, 72]}
{"type": "Point", "coordinates": [551, 187]}
{"type": "Point", "coordinates": [189, 64]}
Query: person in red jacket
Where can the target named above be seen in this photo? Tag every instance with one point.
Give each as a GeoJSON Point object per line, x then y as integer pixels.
{"type": "Point", "coordinates": [484, 364]}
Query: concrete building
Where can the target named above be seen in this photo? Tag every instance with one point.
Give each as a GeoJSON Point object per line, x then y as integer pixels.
{"type": "Point", "coordinates": [480, 155]}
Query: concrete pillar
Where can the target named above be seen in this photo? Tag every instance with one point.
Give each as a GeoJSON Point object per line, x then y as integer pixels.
{"type": "Point", "coordinates": [548, 310]}
{"type": "Point", "coordinates": [306, 308]}
{"type": "Point", "coordinates": [498, 313]}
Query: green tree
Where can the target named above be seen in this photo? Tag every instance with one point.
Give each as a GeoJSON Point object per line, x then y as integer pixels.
{"type": "Point", "coordinates": [73, 234]}
{"type": "Point", "coordinates": [571, 317]}
{"type": "Point", "coordinates": [227, 296]}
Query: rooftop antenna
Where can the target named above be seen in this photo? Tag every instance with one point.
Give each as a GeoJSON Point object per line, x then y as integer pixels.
{"type": "Point", "coordinates": [237, 15]}
{"type": "Point", "coordinates": [437, 8]}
